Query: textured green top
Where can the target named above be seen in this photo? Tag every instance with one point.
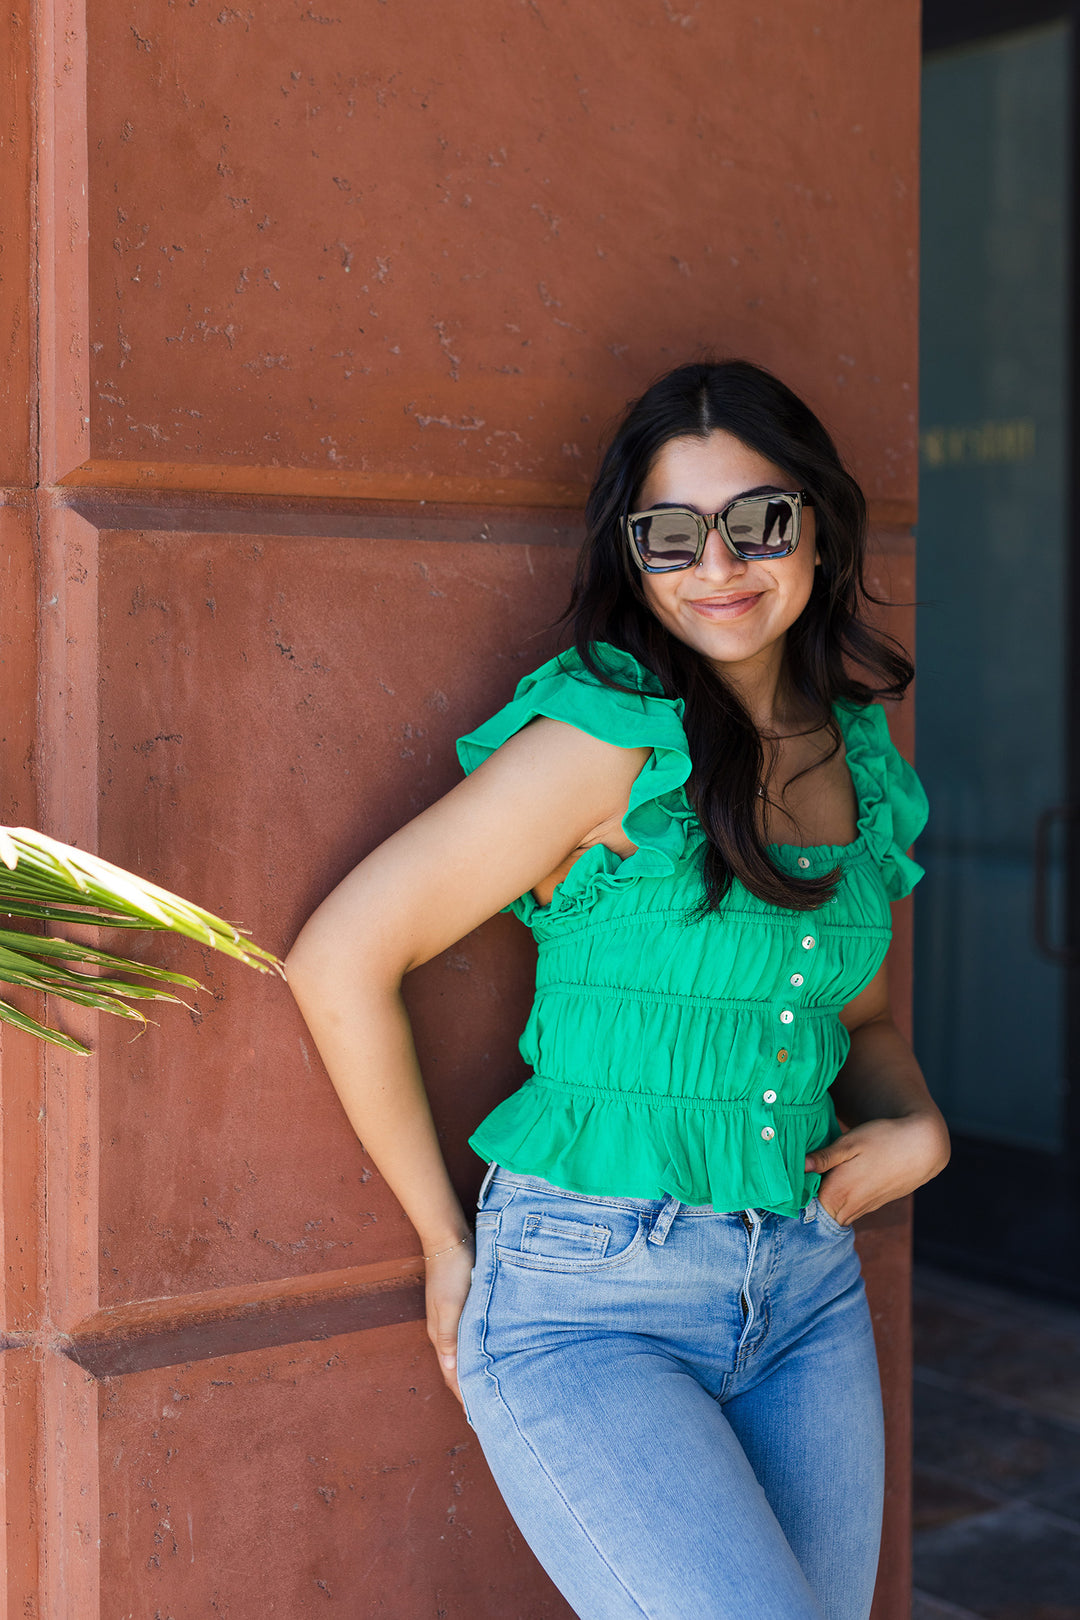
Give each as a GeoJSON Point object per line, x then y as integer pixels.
{"type": "Point", "coordinates": [674, 1053]}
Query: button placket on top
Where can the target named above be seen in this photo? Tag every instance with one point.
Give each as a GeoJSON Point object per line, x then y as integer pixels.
{"type": "Point", "coordinates": [769, 1096]}
{"type": "Point", "coordinates": [787, 1016]}
{"type": "Point", "coordinates": [768, 1132]}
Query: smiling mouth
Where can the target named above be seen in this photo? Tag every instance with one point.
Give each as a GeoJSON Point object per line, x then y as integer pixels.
{"type": "Point", "coordinates": [725, 606]}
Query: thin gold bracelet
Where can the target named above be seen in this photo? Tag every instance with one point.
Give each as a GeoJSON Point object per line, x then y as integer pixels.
{"type": "Point", "coordinates": [459, 1244]}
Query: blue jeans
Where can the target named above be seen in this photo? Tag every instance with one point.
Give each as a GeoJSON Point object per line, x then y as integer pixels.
{"type": "Point", "coordinates": [681, 1408]}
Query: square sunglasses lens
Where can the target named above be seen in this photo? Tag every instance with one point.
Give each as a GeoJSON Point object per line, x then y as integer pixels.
{"type": "Point", "coordinates": [762, 528]}
{"type": "Point", "coordinates": [665, 540]}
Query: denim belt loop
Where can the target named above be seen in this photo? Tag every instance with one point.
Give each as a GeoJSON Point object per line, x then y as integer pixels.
{"type": "Point", "coordinates": [485, 1184]}
{"type": "Point", "coordinates": [662, 1224]}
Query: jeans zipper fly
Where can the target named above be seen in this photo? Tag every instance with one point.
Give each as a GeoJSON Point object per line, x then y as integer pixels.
{"type": "Point", "coordinates": [744, 1298]}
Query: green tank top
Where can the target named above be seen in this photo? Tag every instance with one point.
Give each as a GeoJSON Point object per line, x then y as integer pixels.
{"type": "Point", "coordinates": [679, 1053]}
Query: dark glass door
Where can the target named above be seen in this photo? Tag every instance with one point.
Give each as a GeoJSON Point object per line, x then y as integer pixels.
{"type": "Point", "coordinates": [995, 980]}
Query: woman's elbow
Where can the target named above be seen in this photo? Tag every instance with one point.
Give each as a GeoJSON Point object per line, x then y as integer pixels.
{"type": "Point", "coordinates": [322, 962]}
{"type": "Point", "coordinates": [305, 963]}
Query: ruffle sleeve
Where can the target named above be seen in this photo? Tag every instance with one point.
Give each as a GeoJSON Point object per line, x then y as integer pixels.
{"type": "Point", "coordinates": [893, 807]}
{"type": "Point", "coordinates": [659, 820]}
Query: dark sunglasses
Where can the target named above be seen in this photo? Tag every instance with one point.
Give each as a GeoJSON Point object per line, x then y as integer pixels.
{"type": "Point", "coordinates": [667, 538]}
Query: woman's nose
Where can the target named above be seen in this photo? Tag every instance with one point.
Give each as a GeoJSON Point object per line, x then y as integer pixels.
{"type": "Point", "coordinates": [717, 560]}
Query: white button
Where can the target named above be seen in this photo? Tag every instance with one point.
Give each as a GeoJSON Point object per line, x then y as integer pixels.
{"type": "Point", "coordinates": [787, 1017]}
{"type": "Point", "coordinates": [808, 942]}
{"type": "Point", "coordinates": [803, 861]}
{"type": "Point", "coordinates": [767, 1134]}
{"type": "Point", "coordinates": [769, 1097]}
{"type": "Point", "coordinates": [796, 978]}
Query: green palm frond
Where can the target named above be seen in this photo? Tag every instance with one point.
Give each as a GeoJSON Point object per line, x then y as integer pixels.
{"type": "Point", "coordinates": [49, 882]}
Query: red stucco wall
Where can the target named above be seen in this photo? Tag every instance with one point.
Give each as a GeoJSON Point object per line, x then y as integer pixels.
{"type": "Point", "coordinates": [321, 312]}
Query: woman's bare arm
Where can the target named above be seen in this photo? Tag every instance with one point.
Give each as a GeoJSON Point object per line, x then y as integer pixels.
{"type": "Point", "coordinates": [897, 1138]}
{"type": "Point", "coordinates": [504, 829]}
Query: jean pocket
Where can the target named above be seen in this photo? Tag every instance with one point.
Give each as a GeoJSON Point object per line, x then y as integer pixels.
{"type": "Point", "coordinates": [578, 1238]}
{"type": "Point", "coordinates": [557, 1239]}
{"type": "Point", "coordinates": [835, 1227]}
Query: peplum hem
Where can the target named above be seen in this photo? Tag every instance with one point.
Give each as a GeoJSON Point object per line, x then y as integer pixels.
{"type": "Point", "coordinates": [631, 1145]}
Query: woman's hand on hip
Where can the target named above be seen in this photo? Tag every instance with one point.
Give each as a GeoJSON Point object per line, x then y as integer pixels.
{"type": "Point", "coordinates": [448, 1279]}
{"type": "Point", "coordinates": [898, 1138]}
{"type": "Point", "coordinates": [877, 1161]}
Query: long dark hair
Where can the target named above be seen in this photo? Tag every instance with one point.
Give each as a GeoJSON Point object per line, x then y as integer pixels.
{"type": "Point", "coordinates": [825, 646]}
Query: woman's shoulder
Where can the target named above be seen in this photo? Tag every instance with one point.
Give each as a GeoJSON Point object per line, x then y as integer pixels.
{"type": "Point", "coordinates": [893, 807]}
{"type": "Point", "coordinates": [601, 672]}
{"type": "Point", "coordinates": [614, 697]}
{"type": "Point", "coordinates": [609, 694]}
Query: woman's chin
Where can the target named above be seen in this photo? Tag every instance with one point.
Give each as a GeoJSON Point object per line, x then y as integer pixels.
{"type": "Point", "coordinates": [733, 642]}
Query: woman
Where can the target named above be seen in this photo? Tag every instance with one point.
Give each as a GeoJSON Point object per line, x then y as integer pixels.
{"type": "Point", "coordinates": [666, 1349]}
